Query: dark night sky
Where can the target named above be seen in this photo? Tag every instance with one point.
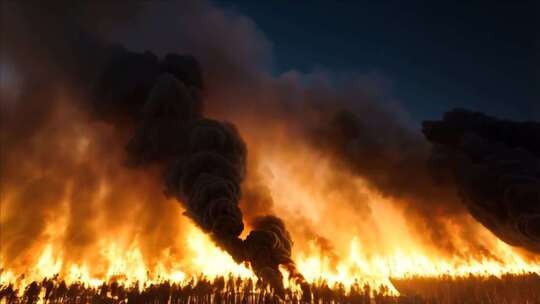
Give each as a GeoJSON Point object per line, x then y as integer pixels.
{"type": "Point", "coordinates": [481, 56]}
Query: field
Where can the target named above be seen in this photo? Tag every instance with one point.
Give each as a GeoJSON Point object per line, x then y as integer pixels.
{"type": "Point", "coordinates": [473, 289]}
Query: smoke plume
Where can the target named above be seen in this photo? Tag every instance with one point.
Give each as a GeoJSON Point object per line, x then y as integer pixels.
{"type": "Point", "coordinates": [496, 165]}
{"type": "Point", "coordinates": [94, 129]}
{"type": "Point", "coordinates": [205, 159]}
{"type": "Point", "coordinates": [156, 106]}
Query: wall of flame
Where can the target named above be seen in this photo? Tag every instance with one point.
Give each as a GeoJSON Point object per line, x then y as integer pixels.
{"type": "Point", "coordinates": [122, 228]}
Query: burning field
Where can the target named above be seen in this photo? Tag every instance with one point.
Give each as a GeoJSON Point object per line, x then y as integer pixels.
{"type": "Point", "coordinates": [190, 174]}
{"type": "Point", "coordinates": [230, 289]}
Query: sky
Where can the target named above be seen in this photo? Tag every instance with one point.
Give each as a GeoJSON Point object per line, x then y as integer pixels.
{"type": "Point", "coordinates": [476, 55]}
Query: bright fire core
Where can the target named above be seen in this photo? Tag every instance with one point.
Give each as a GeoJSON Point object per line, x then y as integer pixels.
{"type": "Point", "coordinates": [342, 230]}
{"type": "Point", "coordinates": [352, 257]}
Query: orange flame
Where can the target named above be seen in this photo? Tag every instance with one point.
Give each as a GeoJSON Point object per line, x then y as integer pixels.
{"type": "Point", "coordinates": [370, 239]}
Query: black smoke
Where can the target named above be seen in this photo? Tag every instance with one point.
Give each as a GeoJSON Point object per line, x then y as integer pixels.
{"type": "Point", "coordinates": [152, 106]}
{"type": "Point", "coordinates": [496, 166]}
{"type": "Point", "coordinates": [204, 160]}
{"type": "Point", "coordinates": [366, 139]}
{"type": "Point", "coordinates": [155, 102]}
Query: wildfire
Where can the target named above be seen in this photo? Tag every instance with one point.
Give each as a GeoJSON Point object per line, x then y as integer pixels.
{"type": "Point", "coordinates": [356, 266]}
{"type": "Point", "coordinates": [128, 266]}
{"type": "Point", "coordinates": [396, 253]}
{"type": "Point", "coordinates": [343, 230]}
{"type": "Point", "coordinates": [377, 270]}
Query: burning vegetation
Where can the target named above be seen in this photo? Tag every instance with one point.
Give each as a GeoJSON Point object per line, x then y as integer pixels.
{"type": "Point", "coordinates": [230, 289]}
{"type": "Point", "coordinates": [124, 177]}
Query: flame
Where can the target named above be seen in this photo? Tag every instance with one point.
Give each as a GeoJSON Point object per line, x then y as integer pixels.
{"type": "Point", "coordinates": [380, 244]}
{"type": "Point", "coordinates": [377, 270]}
{"type": "Point", "coordinates": [367, 237]}
{"type": "Point", "coordinates": [128, 266]}
{"type": "Point", "coordinates": [356, 264]}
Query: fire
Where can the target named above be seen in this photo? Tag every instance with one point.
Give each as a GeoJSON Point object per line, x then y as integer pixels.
{"type": "Point", "coordinates": [343, 230]}
{"type": "Point", "coordinates": [128, 266]}
{"type": "Point", "coordinates": [210, 260]}
{"type": "Point", "coordinates": [353, 262]}
{"type": "Point", "coordinates": [378, 270]}
{"type": "Point", "coordinates": [380, 244]}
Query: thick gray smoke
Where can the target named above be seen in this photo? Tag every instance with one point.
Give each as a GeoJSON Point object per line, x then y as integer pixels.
{"type": "Point", "coordinates": [496, 165]}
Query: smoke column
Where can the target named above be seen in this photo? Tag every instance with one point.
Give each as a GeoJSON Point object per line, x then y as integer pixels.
{"type": "Point", "coordinates": [158, 105]}
{"type": "Point", "coordinates": [72, 90]}
{"type": "Point", "coordinates": [204, 159]}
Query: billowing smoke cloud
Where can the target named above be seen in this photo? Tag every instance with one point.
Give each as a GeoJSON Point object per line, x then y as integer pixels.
{"type": "Point", "coordinates": [365, 135]}
{"type": "Point", "coordinates": [204, 159]}
{"type": "Point", "coordinates": [148, 114]}
{"type": "Point", "coordinates": [496, 165]}
{"type": "Point", "coordinates": [156, 106]}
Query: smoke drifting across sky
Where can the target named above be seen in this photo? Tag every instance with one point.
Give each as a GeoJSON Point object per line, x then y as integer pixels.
{"type": "Point", "coordinates": [496, 164]}
{"type": "Point", "coordinates": [56, 151]}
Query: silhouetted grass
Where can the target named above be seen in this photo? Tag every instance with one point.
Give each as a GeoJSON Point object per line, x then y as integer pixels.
{"type": "Point", "coordinates": [231, 290]}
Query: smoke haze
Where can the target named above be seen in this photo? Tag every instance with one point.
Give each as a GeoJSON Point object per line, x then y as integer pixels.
{"type": "Point", "coordinates": [93, 123]}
